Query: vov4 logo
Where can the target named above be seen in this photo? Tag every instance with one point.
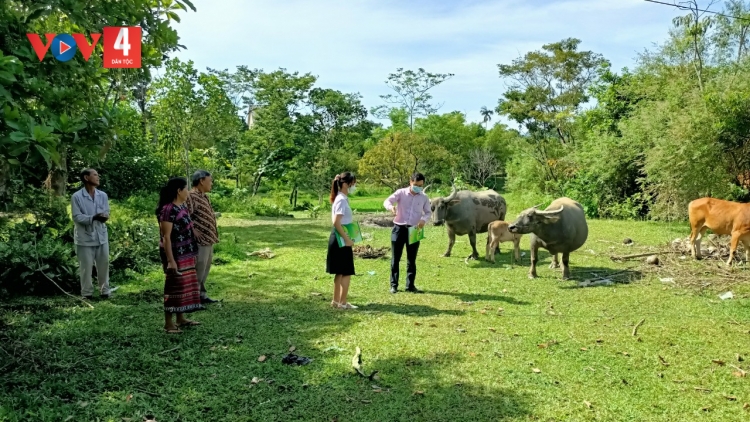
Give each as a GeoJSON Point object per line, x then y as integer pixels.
{"type": "Point", "coordinates": [122, 46]}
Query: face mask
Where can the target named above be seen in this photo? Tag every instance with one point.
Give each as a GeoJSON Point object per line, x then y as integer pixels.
{"type": "Point", "coordinates": [352, 189]}
{"type": "Point", "coordinates": [416, 189]}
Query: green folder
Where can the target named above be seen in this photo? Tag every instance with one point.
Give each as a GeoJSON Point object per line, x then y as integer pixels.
{"type": "Point", "coordinates": [352, 229]}
{"type": "Point", "coordinates": [415, 235]}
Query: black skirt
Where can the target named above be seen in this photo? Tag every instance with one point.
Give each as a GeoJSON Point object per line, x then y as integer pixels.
{"type": "Point", "coordinates": [339, 260]}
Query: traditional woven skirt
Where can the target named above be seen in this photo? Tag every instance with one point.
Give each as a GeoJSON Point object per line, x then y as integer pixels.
{"type": "Point", "coordinates": [182, 293]}
{"type": "Point", "coordinates": [339, 260]}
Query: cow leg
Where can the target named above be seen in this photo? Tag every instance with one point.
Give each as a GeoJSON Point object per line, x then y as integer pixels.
{"type": "Point", "coordinates": [566, 265]}
{"type": "Point", "coordinates": [555, 263]}
{"type": "Point", "coordinates": [746, 242]}
{"type": "Point", "coordinates": [487, 248]}
{"type": "Point", "coordinates": [533, 250]}
{"type": "Point", "coordinates": [733, 246]}
{"type": "Point", "coordinates": [517, 249]}
{"type": "Point", "coordinates": [451, 241]}
{"type": "Point", "coordinates": [696, 234]}
{"type": "Point", "coordinates": [473, 241]}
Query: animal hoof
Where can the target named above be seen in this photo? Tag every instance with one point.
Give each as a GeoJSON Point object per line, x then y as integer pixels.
{"type": "Point", "coordinates": [532, 276]}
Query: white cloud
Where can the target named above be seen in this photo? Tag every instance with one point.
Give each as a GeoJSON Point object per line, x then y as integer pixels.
{"type": "Point", "coordinates": [354, 45]}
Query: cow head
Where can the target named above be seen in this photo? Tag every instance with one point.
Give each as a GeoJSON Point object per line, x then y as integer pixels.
{"type": "Point", "coordinates": [531, 219]}
{"type": "Point", "coordinates": [440, 207]}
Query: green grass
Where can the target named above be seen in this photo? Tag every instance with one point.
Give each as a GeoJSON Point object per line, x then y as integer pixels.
{"type": "Point", "coordinates": [445, 355]}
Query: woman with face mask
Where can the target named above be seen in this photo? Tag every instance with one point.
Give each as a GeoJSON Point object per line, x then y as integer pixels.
{"type": "Point", "coordinates": [340, 260]}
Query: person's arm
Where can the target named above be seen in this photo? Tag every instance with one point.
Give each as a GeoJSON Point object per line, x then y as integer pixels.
{"type": "Point", "coordinates": [391, 201]}
{"type": "Point", "coordinates": [78, 215]}
{"type": "Point", "coordinates": [426, 213]}
{"type": "Point", "coordinates": [166, 231]}
{"type": "Point", "coordinates": [342, 232]}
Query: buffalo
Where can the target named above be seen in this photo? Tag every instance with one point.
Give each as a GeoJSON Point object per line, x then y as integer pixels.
{"type": "Point", "coordinates": [561, 229]}
{"type": "Point", "coordinates": [466, 212]}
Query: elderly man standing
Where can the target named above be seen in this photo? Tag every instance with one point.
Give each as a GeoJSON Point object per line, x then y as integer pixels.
{"type": "Point", "coordinates": [90, 209]}
{"type": "Point", "coordinates": [412, 208]}
{"type": "Point", "coordinates": [204, 229]}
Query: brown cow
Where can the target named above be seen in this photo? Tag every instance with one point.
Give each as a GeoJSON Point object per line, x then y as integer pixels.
{"type": "Point", "coordinates": [722, 217]}
{"type": "Point", "coordinates": [497, 233]}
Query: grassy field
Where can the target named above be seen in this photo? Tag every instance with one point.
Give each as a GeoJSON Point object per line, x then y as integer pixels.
{"type": "Point", "coordinates": [483, 343]}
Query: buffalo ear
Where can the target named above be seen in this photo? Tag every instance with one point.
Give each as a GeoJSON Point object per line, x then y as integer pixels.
{"type": "Point", "coordinates": [550, 219]}
{"type": "Point", "coordinates": [454, 202]}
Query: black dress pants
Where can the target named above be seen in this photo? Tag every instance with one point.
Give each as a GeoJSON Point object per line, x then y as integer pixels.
{"type": "Point", "coordinates": [399, 239]}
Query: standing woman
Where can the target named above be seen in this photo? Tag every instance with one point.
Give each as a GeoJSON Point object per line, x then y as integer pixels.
{"type": "Point", "coordinates": [340, 260]}
{"type": "Point", "coordinates": [178, 250]}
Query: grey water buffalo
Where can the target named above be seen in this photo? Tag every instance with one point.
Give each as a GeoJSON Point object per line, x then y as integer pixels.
{"type": "Point", "coordinates": [465, 212]}
{"type": "Point", "coordinates": [497, 233]}
{"type": "Point", "coordinates": [561, 229]}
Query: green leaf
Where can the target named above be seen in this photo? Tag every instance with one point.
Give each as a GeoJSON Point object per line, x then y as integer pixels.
{"type": "Point", "coordinates": [18, 136]}
{"type": "Point", "coordinates": [13, 124]}
{"type": "Point", "coordinates": [45, 154]}
{"type": "Point", "coordinates": [4, 93]}
{"type": "Point", "coordinates": [14, 162]}
{"type": "Point", "coordinates": [173, 16]}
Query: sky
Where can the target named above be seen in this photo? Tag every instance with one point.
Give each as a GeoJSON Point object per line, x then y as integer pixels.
{"type": "Point", "coordinates": [353, 45]}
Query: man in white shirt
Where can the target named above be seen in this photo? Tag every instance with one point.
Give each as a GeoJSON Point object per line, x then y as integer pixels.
{"type": "Point", "coordinates": [90, 209]}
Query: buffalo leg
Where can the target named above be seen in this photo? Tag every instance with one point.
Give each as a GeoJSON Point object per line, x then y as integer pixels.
{"type": "Point", "coordinates": [451, 241]}
{"type": "Point", "coordinates": [534, 251]}
{"type": "Point", "coordinates": [566, 265]}
{"type": "Point", "coordinates": [554, 264]}
{"type": "Point", "coordinates": [473, 241]}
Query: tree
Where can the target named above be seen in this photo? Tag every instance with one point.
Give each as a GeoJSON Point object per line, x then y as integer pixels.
{"type": "Point", "coordinates": [412, 94]}
{"type": "Point", "coordinates": [486, 115]}
{"type": "Point", "coordinates": [394, 158]}
{"type": "Point", "coordinates": [481, 166]}
{"type": "Point", "coordinates": [55, 109]}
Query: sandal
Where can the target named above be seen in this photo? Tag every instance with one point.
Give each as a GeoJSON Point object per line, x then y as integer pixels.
{"type": "Point", "coordinates": [347, 305]}
{"type": "Point", "coordinates": [188, 323]}
{"type": "Point", "coordinates": [334, 304]}
{"type": "Point", "coordinates": [173, 331]}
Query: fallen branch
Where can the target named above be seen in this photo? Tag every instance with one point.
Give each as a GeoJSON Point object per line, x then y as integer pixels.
{"type": "Point", "coordinates": [638, 255]}
{"type": "Point", "coordinates": [635, 329]}
{"type": "Point", "coordinates": [605, 276]}
{"type": "Point", "coordinates": [61, 289]}
{"type": "Point", "coordinates": [167, 351]}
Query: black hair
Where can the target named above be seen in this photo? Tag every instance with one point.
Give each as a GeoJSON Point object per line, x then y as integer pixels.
{"type": "Point", "coordinates": [84, 173]}
{"type": "Point", "coordinates": [416, 177]}
{"type": "Point", "coordinates": [198, 176]}
{"type": "Point", "coordinates": [168, 193]}
{"type": "Point", "coordinates": [345, 177]}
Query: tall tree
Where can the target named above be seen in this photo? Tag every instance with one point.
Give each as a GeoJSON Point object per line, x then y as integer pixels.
{"type": "Point", "coordinates": [486, 115]}
{"type": "Point", "coordinates": [57, 109]}
{"type": "Point", "coordinates": [411, 93]}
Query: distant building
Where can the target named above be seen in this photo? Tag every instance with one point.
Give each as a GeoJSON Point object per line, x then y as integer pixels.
{"type": "Point", "coordinates": [251, 116]}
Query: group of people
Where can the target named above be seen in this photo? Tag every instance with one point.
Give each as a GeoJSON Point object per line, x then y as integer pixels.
{"type": "Point", "coordinates": [188, 233]}
{"type": "Point", "coordinates": [410, 207]}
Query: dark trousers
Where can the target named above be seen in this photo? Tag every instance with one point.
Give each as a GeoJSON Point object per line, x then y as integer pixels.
{"type": "Point", "coordinates": [399, 239]}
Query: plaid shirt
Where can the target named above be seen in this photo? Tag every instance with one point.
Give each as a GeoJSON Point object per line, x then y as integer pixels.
{"type": "Point", "coordinates": [203, 217]}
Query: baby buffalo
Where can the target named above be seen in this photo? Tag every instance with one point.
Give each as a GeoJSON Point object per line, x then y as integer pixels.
{"type": "Point", "coordinates": [497, 233]}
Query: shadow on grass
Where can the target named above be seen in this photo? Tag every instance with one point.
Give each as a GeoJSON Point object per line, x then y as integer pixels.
{"type": "Point", "coordinates": [404, 309]}
{"type": "Point", "coordinates": [473, 297]}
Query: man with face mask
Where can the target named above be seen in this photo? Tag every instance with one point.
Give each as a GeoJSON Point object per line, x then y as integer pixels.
{"type": "Point", "coordinates": [411, 208]}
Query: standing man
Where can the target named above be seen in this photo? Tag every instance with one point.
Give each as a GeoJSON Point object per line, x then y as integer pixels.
{"type": "Point", "coordinates": [204, 227]}
{"type": "Point", "coordinates": [411, 208]}
{"type": "Point", "coordinates": [90, 209]}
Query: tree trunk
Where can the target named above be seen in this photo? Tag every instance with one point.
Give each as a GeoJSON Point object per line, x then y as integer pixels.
{"type": "Point", "coordinates": [57, 177]}
{"type": "Point", "coordinates": [256, 183]}
{"type": "Point", "coordinates": [296, 191]}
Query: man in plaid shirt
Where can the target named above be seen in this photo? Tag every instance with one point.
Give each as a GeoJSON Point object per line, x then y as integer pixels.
{"type": "Point", "coordinates": [204, 227]}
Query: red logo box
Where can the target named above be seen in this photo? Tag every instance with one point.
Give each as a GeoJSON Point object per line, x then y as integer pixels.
{"type": "Point", "coordinates": [122, 46]}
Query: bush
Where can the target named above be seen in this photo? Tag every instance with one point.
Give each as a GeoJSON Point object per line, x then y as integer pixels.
{"type": "Point", "coordinates": [133, 245]}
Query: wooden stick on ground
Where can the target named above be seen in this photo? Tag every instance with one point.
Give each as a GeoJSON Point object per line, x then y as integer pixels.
{"type": "Point", "coordinates": [635, 329]}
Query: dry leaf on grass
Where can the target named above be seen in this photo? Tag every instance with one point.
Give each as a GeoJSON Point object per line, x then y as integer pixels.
{"type": "Point", "coordinates": [731, 398]}
{"type": "Point", "coordinates": [587, 403]}
{"type": "Point", "coordinates": [536, 370]}
{"type": "Point", "coordinates": [718, 362]}
{"type": "Point", "coordinates": [263, 253]}
{"type": "Point", "coordinates": [261, 358]}
{"type": "Point", "coordinates": [492, 329]}
{"type": "Point", "coordinates": [663, 361]}
{"type": "Point", "coordinates": [584, 349]}
{"type": "Point", "coordinates": [418, 393]}
{"type": "Point", "coordinates": [256, 380]}
{"type": "Point", "coordinates": [291, 349]}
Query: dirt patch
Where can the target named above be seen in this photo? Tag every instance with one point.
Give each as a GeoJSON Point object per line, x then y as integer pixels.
{"type": "Point", "coordinates": [677, 265]}
{"type": "Point", "coordinates": [368, 252]}
{"type": "Point", "coordinates": [377, 221]}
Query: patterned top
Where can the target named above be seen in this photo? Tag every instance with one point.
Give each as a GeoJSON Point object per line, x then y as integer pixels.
{"type": "Point", "coordinates": [203, 217]}
{"type": "Point", "coordinates": [183, 241]}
